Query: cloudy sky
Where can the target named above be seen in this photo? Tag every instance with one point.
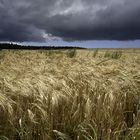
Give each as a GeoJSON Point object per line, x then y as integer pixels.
{"type": "Point", "coordinates": [87, 23]}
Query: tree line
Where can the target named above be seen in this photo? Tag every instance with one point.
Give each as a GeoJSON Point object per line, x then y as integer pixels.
{"type": "Point", "coordinates": [24, 47]}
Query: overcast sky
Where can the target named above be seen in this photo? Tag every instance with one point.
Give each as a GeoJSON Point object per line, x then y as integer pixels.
{"type": "Point", "coordinates": [73, 22]}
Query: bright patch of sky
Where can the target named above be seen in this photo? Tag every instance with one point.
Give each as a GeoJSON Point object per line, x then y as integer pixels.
{"type": "Point", "coordinates": [90, 44]}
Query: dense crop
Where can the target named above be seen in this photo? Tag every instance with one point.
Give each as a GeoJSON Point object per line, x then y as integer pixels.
{"type": "Point", "coordinates": [70, 95]}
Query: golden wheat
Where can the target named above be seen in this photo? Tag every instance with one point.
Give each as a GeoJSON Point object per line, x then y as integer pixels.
{"type": "Point", "coordinates": [82, 95]}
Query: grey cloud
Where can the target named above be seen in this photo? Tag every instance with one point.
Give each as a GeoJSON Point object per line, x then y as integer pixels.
{"type": "Point", "coordinates": [28, 20]}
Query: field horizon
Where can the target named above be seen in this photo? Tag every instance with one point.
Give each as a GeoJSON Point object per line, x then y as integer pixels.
{"type": "Point", "coordinates": [70, 94]}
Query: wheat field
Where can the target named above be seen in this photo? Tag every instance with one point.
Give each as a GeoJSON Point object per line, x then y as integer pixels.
{"type": "Point", "coordinates": [70, 94]}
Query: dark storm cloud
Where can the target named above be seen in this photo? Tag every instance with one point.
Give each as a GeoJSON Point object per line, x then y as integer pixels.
{"type": "Point", "coordinates": [38, 20]}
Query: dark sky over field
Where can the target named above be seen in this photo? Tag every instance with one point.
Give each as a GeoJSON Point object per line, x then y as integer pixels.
{"type": "Point", "coordinates": [72, 22]}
